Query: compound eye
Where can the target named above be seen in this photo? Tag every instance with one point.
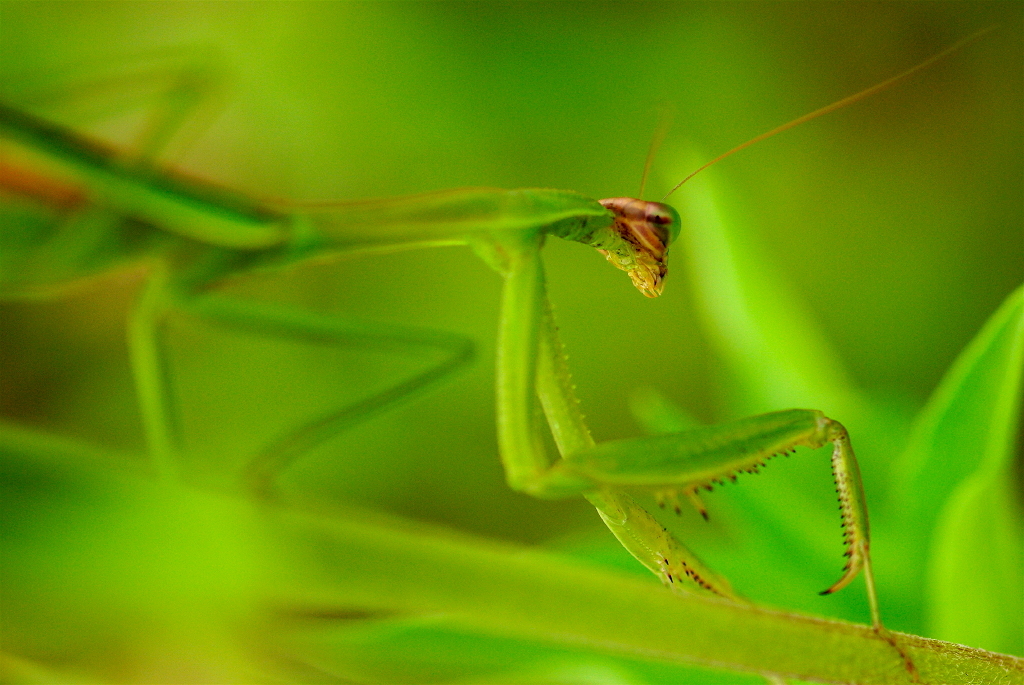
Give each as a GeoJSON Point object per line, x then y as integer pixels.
{"type": "Point", "coordinates": [664, 221]}
{"type": "Point", "coordinates": [660, 223]}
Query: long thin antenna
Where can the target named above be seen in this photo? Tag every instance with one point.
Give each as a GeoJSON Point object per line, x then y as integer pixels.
{"type": "Point", "coordinates": [665, 113]}
{"type": "Point", "coordinates": [840, 103]}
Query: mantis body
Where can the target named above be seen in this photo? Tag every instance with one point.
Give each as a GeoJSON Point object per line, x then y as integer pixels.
{"type": "Point", "coordinates": [113, 209]}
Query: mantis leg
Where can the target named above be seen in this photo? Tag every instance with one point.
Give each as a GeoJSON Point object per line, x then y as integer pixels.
{"type": "Point", "coordinates": [152, 373]}
{"type": "Point", "coordinates": [687, 462]}
{"type": "Point", "coordinates": [526, 329]}
{"type": "Point", "coordinates": [153, 377]}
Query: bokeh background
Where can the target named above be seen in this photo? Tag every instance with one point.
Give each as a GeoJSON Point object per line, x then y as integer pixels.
{"type": "Point", "coordinates": [897, 221]}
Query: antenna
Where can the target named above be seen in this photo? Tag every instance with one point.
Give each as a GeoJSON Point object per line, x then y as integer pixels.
{"type": "Point", "coordinates": [665, 112]}
{"type": "Point", "coordinates": [839, 104]}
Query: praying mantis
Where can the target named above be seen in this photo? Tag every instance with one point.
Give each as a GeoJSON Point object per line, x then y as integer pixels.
{"type": "Point", "coordinates": [196, 236]}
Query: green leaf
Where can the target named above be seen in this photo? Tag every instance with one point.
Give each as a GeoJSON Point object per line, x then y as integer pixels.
{"type": "Point", "coordinates": [955, 481]}
{"type": "Point", "coordinates": [511, 591]}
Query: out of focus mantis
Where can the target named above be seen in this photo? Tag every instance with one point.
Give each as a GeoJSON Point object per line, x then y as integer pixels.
{"type": "Point", "coordinates": [111, 208]}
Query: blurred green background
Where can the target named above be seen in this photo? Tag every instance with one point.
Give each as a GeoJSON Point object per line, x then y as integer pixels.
{"type": "Point", "coordinates": [897, 221]}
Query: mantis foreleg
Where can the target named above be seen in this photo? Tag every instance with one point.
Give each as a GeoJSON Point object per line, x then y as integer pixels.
{"type": "Point", "coordinates": [526, 328]}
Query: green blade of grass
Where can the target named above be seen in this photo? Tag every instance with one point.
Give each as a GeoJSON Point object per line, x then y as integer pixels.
{"type": "Point", "coordinates": [955, 486]}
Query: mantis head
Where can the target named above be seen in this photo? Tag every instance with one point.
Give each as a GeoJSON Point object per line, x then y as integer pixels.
{"type": "Point", "coordinates": [646, 229]}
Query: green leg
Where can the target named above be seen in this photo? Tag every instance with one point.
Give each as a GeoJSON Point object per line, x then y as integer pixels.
{"type": "Point", "coordinates": [531, 362]}
{"type": "Point", "coordinates": [655, 547]}
{"type": "Point", "coordinates": [687, 462]}
{"type": "Point", "coordinates": [523, 455]}
{"type": "Point", "coordinates": [151, 373]}
{"type": "Point", "coordinates": [147, 342]}
{"type": "Point", "coordinates": [289, 323]}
